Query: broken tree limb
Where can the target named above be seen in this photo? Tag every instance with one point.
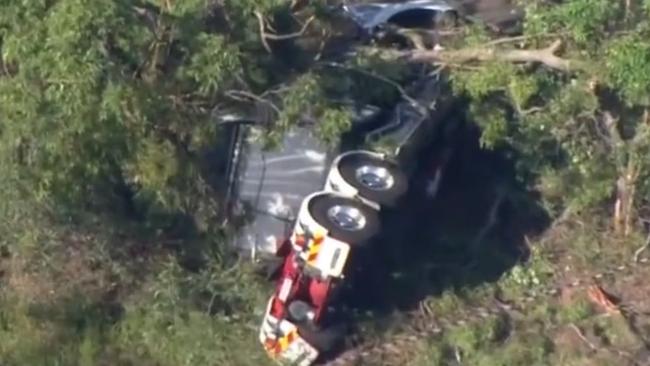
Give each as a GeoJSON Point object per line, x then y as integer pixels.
{"type": "Point", "coordinates": [280, 37]}
{"type": "Point", "coordinates": [545, 56]}
{"type": "Point", "coordinates": [265, 36]}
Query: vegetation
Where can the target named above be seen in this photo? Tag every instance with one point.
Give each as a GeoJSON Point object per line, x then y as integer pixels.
{"type": "Point", "coordinates": [113, 245]}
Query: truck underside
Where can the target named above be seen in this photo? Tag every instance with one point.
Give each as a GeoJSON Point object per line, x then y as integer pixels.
{"type": "Point", "coordinates": [315, 210]}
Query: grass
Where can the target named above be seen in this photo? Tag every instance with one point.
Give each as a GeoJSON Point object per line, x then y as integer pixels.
{"type": "Point", "coordinates": [78, 306]}
{"type": "Point", "coordinates": [566, 329]}
{"type": "Point", "coordinates": [484, 345]}
{"type": "Point", "coordinates": [575, 312]}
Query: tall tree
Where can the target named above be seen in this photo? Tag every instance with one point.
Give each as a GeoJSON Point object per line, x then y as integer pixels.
{"type": "Point", "coordinates": [570, 96]}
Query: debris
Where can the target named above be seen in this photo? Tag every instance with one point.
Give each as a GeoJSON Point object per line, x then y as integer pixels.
{"type": "Point", "coordinates": [582, 337]}
{"type": "Point", "coordinates": [638, 252]}
{"type": "Point", "coordinates": [600, 297]}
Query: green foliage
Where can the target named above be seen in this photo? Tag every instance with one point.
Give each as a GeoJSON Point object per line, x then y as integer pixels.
{"type": "Point", "coordinates": [555, 121]}
{"type": "Point", "coordinates": [155, 166]}
{"type": "Point", "coordinates": [479, 85]}
{"type": "Point", "coordinates": [628, 67]}
{"type": "Point", "coordinates": [493, 122]}
{"type": "Point", "coordinates": [484, 345]}
{"type": "Point", "coordinates": [188, 319]}
{"type": "Point", "coordinates": [60, 311]}
{"type": "Point", "coordinates": [584, 21]}
{"type": "Point", "coordinates": [527, 278]}
{"type": "Point", "coordinates": [73, 105]}
{"type": "Point", "coordinates": [106, 104]}
{"type": "Point", "coordinates": [575, 312]}
{"type": "Point", "coordinates": [332, 124]}
{"type": "Point", "coordinates": [213, 62]}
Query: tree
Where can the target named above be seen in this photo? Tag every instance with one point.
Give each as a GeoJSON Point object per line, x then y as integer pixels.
{"type": "Point", "coordinates": [110, 102]}
{"type": "Point", "coordinates": [569, 96]}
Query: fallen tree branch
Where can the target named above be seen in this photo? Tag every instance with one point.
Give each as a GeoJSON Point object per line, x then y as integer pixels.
{"type": "Point", "coordinates": [242, 95]}
{"type": "Point", "coordinates": [280, 37]}
{"type": "Point", "coordinates": [519, 38]}
{"type": "Point", "coordinates": [265, 36]}
{"type": "Point", "coordinates": [545, 56]}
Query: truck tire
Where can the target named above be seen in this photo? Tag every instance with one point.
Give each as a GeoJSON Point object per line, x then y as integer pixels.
{"type": "Point", "coordinates": [345, 219]}
{"type": "Point", "coordinates": [376, 179]}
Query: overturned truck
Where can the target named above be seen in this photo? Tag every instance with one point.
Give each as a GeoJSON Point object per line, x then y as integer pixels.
{"type": "Point", "coordinates": [315, 209]}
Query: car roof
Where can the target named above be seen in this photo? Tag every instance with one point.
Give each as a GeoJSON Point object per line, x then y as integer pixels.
{"type": "Point", "coordinates": [370, 15]}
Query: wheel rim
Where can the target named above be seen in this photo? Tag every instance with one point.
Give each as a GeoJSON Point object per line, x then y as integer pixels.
{"type": "Point", "coordinates": [347, 217]}
{"type": "Point", "coordinates": [375, 177]}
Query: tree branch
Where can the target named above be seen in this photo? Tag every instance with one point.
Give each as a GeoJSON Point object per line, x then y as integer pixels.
{"type": "Point", "coordinates": [280, 37]}
{"type": "Point", "coordinates": [546, 56]}
{"type": "Point", "coordinates": [265, 36]}
{"type": "Point", "coordinates": [247, 96]}
{"type": "Point", "coordinates": [262, 29]}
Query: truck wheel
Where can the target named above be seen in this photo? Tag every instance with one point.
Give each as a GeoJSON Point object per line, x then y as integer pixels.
{"type": "Point", "coordinates": [376, 179]}
{"type": "Point", "coordinates": [345, 219]}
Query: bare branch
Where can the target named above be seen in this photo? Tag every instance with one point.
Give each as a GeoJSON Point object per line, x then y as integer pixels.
{"type": "Point", "coordinates": [265, 36]}
{"type": "Point", "coordinates": [247, 96]}
{"type": "Point", "coordinates": [520, 38]}
{"type": "Point", "coordinates": [262, 29]}
{"type": "Point", "coordinates": [279, 37]}
{"type": "Point", "coordinates": [546, 56]}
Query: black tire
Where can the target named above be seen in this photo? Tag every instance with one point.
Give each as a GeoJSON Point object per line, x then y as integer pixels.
{"type": "Point", "coordinates": [320, 206]}
{"type": "Point", "coordinates": [445, 20]}
{"type": "Point", "coordinates": [349, 165]}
